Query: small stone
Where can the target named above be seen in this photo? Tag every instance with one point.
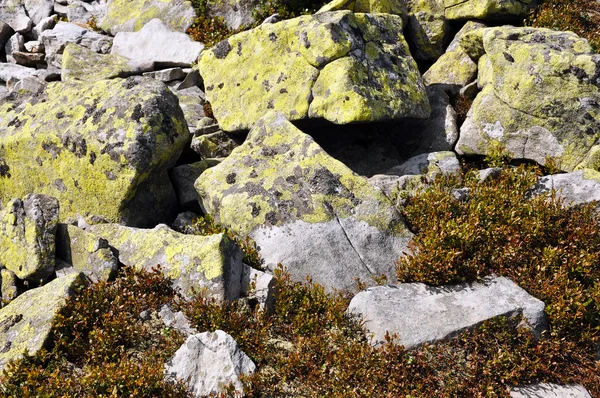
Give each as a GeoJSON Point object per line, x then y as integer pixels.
{"type": "Point", "coordinates": [168, 75]}
{"type": "Point", "coordinates": [34, 46]}
{"type": "Point", "coordinates": [206, 125]}
{"type": "Point", "coordinates": [214, 145]}
{"type": "Point", "coordinates": [183, 178]}
{"type": "Point", "coordinates": [461, 194]}
{"type": "Point", "coordinates": [10, 287]}
{"type": "Point", "coordinates": [176, 320]}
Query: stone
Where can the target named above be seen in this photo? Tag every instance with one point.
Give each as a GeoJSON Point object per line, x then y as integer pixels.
{"type": "Point", "coordinates": [548, 390]}
{"type": "Point", "coordinates": [488, 10]}
{"type": "Point", "coordinates": [10, 287]}
{"type": "Point", "coordinates": [468, 27]}
{"type": "Point", "coordinates": [5, 33]}
{"type": "Point", "coordinates": [176, 320]}
{"type": "Point", "coordinates": [37, 10]}
{"type": "Point", "coordinates": [132, 15]}
{"type": "Point", "coordinates": [429, 165]}
{"type": "Point", "coordinates": [427, 29]}
{"type": "Point", "coordinates": [418, 313]}
{"type": "Point", "coordinates": [315, 66]}
{"type": "Point", "coordinates": [490, 173]}
{"type": "Point", "coordinates": [86, 252]}
{"type": "Point", "coordinates": [280, 187]}
{"type": "Point", "coordinates": [15, 43]}
{"type": "Point", "coordinates": [540, 98]}
{"type": "Point", "coordinates": [45, 24]}
{"type": "Point", "coordinates": [259, 288]}
{"type": "Point", "coordinates": [82, 64]}
{"type": "Point", "coordinates": [452, 71]}
{"type": "Point", "coordinates": [183, 178]}
{"type": "Point", "coordinates": [34, 47]}
{"type": "Point", "coordinates": [578, 187]}
{"type": "Point", "coordinates": [396, 7]}
{"type": "Point", "coordinates": [192, 79]}
{"type": "Point", "coordinates": [191, 101]}
{"type": "Point", "coordinates": [437, 133]}
{"type": "Point", "coordinates": [214, 145]}
{"type": "Point", "coordinates": [14, 15]}
{"type": "Point", "coordinates": [34, 85]}
{"type": "Point", "coordinates": [156, 46]}
{"type": "Point", "coordinates": [26, 322]}
{"type": "Point", "coordinates": [83, 12]}
{"type": "Point", "coordinates": [210, 264]}
{"type": "Point", "coordinates": [101, 149]}
{"type": "Point", "coordinates": [208, 362]}
{"type": "Point", "coordinates": [27, 236]}
{"type": "Point", "coordinates": [167, 75]}
{"type": "Point", "coordinates": [31, 60]}
{"type": "Point", "coordinates": [235, 13]}
{"type": "Point", "coordinates": [206, 125]}
{"type": "Point", "coordinates": [184, 222]}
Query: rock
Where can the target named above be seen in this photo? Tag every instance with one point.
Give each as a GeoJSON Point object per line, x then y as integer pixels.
{"type": "Point", "coordinates": [38, 10]}
{"type": "Point", "coordinates": [82, 64]}
{"type": "Point", "coordinates": [214, 145]}
{"type": "Point", "coordinates": [5, 33]}
{"type": "Point", "coordinates": [155, 46]}
{"type": "Point", "coordinates": [428, 164]}
{"type": "Point", "coordinates": [467, 28]}
{"type": "Point", "coordinates": [235, 13]}
{"type": "Point", "coordinates": [491, 173]}
{"type": "Point", "coordinates": [206, 125]}
{"type": "Point", "coordinates": [259, 287]}
{"type": "Point", "coordinates": [578, 187]}
{"type": "Point", "coordinates": [207, 362]}
{"type": "Point", "coordinates": [14, 15]}
{"type": "Point", "coordinates": [280, 187]}
{"type": "Point", "coordinates": [15, 43]}
{"type": "Point", "coordinates": [10, 288]}
{"type": "Point", "coordinates": [32, 84]}
{"type": "Point", "coordinates": [540, 98]}
{"type": "Point", "coordinates": [86, 252]}
{"type": "Point", "coordinates": [184, 222]}
{"type": "Point", "coordinates": [396, 7]}
{"type": "Point", "coordinates": [34, 47]}
{"type": "Point", "coordinates": [26, 322]}
{"type": "Point", "coordinates": [427, 29]}
{"type": "Point", "coordinates": [437, 133]}
{"type": "Point", "coordinates": [488, 10]}
{"type": "Point", "coordinates": [191, 101]}
{"type": "Point", "coordinates": [27, 236]}
{"type": "Point", "coordinates": [132, 15]}
{"type": "Point", "coordinates": [183, 178]}
{"type": "Point", "coordinates": [191, 80]}
{"type": "Point", "coordinates": [547, 390]}
{"type": "Point", "coordinates": [31, 60]}
{"type": "Point", "coordinates": [101, 149]}
{"type": "Point", "coordinates": [167, 75]}
{"type": "Point", "coordinates": [82, 12]}
{"type": "Point", "coordinates": [418, 313]}
{"type": "Point", "coordinates": [176, 320]}
{"type": "Point", "coordinates": [272, 19]}
{"type": "Point", "coordinates": [461, 194]}
{"type": "Point", "coordinates": [339, 74]}
{"type": "Point", "coordinates": [45, 24]}
{"type": "Point", "coordinates": [195, 263]}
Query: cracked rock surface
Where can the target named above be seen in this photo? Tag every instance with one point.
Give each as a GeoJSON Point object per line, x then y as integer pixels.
{"type": "Point", "coordinates": [304, 208]}
{"type": "Point", "coordinates": [488, 10]}
{"type": "Point", "coordinates": [540, 98]}
{"type": "Point", "coordinates": [338, 66]}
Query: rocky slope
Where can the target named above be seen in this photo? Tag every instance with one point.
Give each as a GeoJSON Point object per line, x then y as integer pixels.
{"type": "Point", "coordinates": [307, 136]}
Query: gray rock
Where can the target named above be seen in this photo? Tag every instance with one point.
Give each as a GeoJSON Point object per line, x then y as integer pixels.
{"type": "Point", "coordinates": [214, 145]}
{"type": "Point", "coordinates": [86, 252]}
{"type": "Point", "coordinates": [183, 178]}
{"type": "Point", "coordinates": [235, 13]}
{"type": "Point", "coordinates": [191, 101]}
{"type": "Point", "coordinates": [259, 286]}
{"type": "Point", "coordinates": [547, 390]}
{"type": "Point", "coordinates": [14, 14]}
{"type": "Point", "coordinates": [578, 187]}
{"type": "Point", "coordinates": [37, 10]}
{"type": "Point", "coordinates": [155, 44]}
{"type": "Point", "coordinates": [489, 174]}
{"type": "Point", "coordinates": [208, 362]}
{"type": "Point", "coordinates": [34, 46]}
{"type": "Point", "coordinates": [428, 164]}
{"type": "Point", "coordinates": [83, 11]}
{"type": "Point", "coordinates": [271, 19]}
{"type": "Point", "coordinates": [82, 64]}
{"type": "Point", "coordinates": [10, 287]}
{"type": "Point", "coordinates": [193, 262]}
{"type": "Point", "coordinates": [176, 320]}
{"type": "Point", "coordinates": [61, 10]}
{"type": "Point", "coordinates": [184, 222]}
{"type": "Point", "coordinates": [32, 60]}
{"type": "Point", "coordinates": [427, 29]}
{"type": "Point", "coordinates": [206, 125]}
{"type": "Point", "coordinates": [167, 75]}
{"type": "Point", "coordinates": [281, 187]}
{"type": "Point", "coordinates": [418, 313]}
{"type": "Point", "coordinates": [488, 10]}
{"type": "Point", "coordinates": [27, 236]}
{"type": "Point", "coordinates": [15, 43]}
{"type": "Point", "coordinates": [193, 79]}
{"type": "Point", "coordinates": [32, 84]}
{"type": "Point", "coordinates": [45, 24]}
{"type": "Point", "coordinates": [461, 194]}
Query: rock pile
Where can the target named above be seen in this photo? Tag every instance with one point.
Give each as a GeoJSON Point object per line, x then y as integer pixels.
{"type": "Point", "coordinates": [304, 135]}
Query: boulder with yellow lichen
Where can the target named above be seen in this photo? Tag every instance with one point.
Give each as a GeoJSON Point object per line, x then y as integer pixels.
{"type": "Point", "coordinates": [488, 10]}
{"type": "Point", "coordinates": [304, 208]}
{"type": "Point", "coordinates": [101, 149]}
{"type": "Point", "coordinates": [335, 66]}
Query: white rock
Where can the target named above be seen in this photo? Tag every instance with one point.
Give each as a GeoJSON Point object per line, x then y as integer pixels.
{"type": "Point", "coordinates": [37, 10]}
{"type": "Point", "coordinates": [18, 72]}
{"type": "Point", "coordinates": [547, 390]}
{"type": "Point", "coordinates": [578, 187]}
{"type": "Point", "coordinates": [258, 285]}
{"type": "Point", "coordinates": [419, 313]}
{"type": "Point", "coordinates": [209, 361]}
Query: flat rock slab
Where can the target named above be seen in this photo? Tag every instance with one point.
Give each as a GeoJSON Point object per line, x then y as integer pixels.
{"type": "Point", "coordinates": [208, 362]}
{"type": "Point", "coordinates": [578, 187]}
{"type": "Point", "coordinates": [547, 390]}
{"type": "Point", "coordinates": [26, 323]}
{"type": "Point", "coordinates": [304, 208]}
{"type": "Point", "coordinates": [194, 263]}
{"type": "Point", "coordinates": [337, 66]}
{"type": "Point", "coordinates": [156, 46]}
{"type": "Point", "coordinates": [82, 64]}
{"type": "Point", "coordinates": [418, 313]}
{"type": "Point", "coordinates": [101, 149]}
{"type": "Point", "coordinates": [540, 97]}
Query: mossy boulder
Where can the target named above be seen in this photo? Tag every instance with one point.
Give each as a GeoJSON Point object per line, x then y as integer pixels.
{"type": "Point", "coordinates": [132, 15]}
{"type": "Point", "coordinates": [101, 149]}
{"type": "Point", "coordinates": [82, 64]}
{"type": "Point", "coordinates": [304, 208]}
{"type": "Point", "coordinates": [488, 10]}
{"type": "Point", "coordinates": [26, 322]}
{"type": "Point", "coordinates": [540, 98]}
{"type": "Point", "coordinates": [27, 236]}
{"type": "Point", "coordinates": [428, 29]}
{"type": "Point", "coordinates": [195, 263]}
{"type": "Point", "coordinates": [337, 66]}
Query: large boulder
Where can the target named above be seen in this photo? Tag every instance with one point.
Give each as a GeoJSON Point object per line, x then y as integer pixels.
{"type": "Point", "coordinates": [208, 362]}
{"type": "Point", "coordinates": [540, 98]}
{"type": "Point", "coordinates": [427, 29]}
{"type": "Point", "coordinates": [132, 15]}
{"type": "Point", "coordinates": [338, 66]}
{"type": "Point", "coordinates": [418, 313]}
{"type": "Point", "coordinates": [195, 263]}
{"type": "Point", "coordinates": [27, 236]}
{"type": "Point", "coordinates": [488, 10]}
{"type": "Point", "coordinates": [156, 46]}
{"type": "Point", "coordinates": [578, 187]}
{"type": "Point", "coordinates": [14, 14]}
{"type": "Point", "coordinates": [303, 208]}
{"type": "Point", "coordinates": [26, 322]}
{"type": "Point", "coordinates": [101, 149]}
